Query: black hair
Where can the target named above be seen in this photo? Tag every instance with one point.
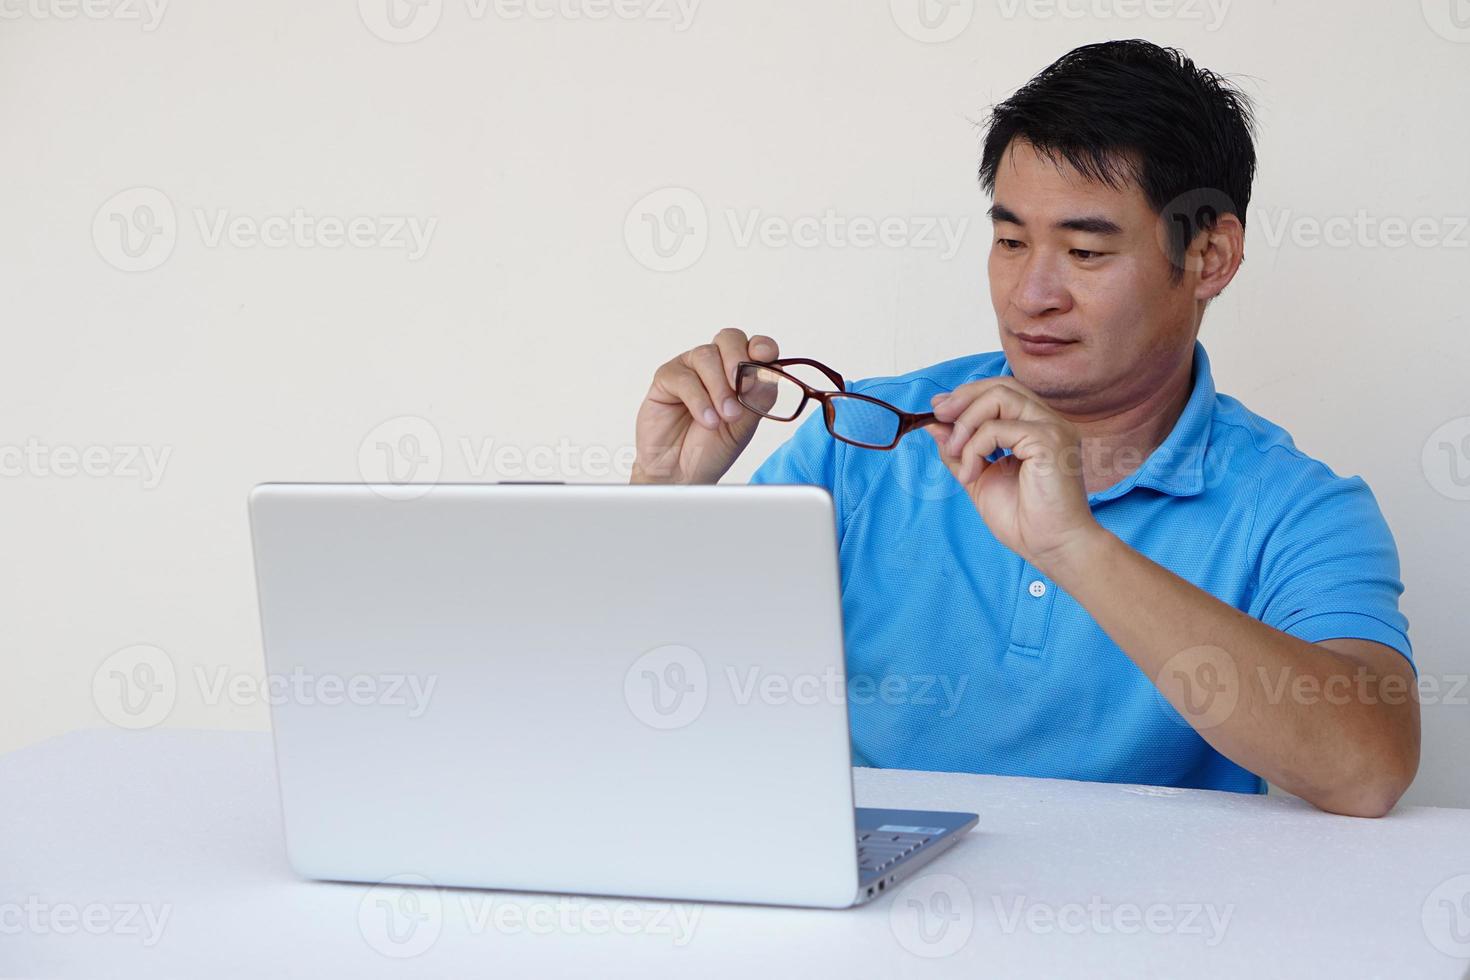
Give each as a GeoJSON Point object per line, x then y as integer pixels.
{"type": "Point", "coordinates": [1130, 111]}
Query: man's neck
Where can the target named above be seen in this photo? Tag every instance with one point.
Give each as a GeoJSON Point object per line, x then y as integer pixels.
{"type": "Point", "coordinates": [1116, 442]}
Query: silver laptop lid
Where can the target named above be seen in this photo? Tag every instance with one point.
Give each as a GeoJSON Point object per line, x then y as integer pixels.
{"type": "Point", "coordinates": [591, 689]}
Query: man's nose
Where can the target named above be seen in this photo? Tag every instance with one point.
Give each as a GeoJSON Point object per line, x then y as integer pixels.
{"type": "Point", "coordinates": [1042, 288]}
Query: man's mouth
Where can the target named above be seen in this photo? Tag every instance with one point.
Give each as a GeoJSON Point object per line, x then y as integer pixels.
{"type": "Point", "coordinates": [1040, 343]}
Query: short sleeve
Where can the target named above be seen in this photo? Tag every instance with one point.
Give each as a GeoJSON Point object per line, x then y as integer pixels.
{"type": "Point", "coordinates": [1328, 566]}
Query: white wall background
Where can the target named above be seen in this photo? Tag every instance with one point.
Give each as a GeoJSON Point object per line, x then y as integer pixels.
{"type": "Point", "coordinates": [529, 320]}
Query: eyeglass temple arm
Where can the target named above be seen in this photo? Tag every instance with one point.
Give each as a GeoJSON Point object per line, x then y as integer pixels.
{"type": "Point", "coordinates": [912, 421]}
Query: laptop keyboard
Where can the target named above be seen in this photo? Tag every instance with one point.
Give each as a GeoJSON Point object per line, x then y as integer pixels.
{"type": "Point", "coordinates": [880, 850]}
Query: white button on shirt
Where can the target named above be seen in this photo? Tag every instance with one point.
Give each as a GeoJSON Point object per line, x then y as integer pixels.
{"type": "Point", "coordinates": [1038, 588]}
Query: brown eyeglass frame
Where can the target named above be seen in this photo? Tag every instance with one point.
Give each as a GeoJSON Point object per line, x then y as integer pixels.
{"type": "Point", "coordinates": [907, 421]}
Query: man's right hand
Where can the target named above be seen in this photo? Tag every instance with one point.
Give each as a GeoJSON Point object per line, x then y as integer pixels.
{"type": "Point", "coordinates": [690, 427]}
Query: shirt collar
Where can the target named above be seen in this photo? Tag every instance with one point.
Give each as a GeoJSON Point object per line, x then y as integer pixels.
{"type": "Point", "coordinates": [1177, 466]}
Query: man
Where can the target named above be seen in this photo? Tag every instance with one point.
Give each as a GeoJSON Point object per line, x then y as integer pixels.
{"type": "Point", "coordinates": [1116, 573]}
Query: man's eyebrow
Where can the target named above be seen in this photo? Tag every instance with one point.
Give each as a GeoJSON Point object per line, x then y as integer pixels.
{"type": "Point", "coordinates": [1090, 224]}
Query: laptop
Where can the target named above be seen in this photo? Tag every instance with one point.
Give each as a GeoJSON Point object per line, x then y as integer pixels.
{"type": "Point", "coordinates": [598, 690]}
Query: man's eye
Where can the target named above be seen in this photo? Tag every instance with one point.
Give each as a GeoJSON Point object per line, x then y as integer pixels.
{"type": "Point", "coordinates": [1009, 244]}
{"type": "Point", "coordinates": [1084, 254]}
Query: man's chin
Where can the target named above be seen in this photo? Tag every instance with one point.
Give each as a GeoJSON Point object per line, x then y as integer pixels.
{"type": "Point", "coordinates": [1053, 377]}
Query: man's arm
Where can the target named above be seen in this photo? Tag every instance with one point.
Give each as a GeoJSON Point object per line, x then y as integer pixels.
{"type": "Point", "coordinates": [1335, 722]}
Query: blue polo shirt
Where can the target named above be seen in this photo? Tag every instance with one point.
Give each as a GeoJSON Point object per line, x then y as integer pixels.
{"type": "Point", "coordinates": [963, 657]}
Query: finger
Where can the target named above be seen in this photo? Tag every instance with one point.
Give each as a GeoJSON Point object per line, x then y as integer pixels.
{"type": "Point", "coordinates": [734, 347]}
{"type": "Point", "coordinates": [707, 362]}
{"type": "Point", "coordinates": [940, 432]}
{"type": "Point", "coordinates": [948, 405]}
{"type": "Point", "coordinates": [1026, 440]}
{"type": "Point", "coordinates": [994, 403]}
{"type": "Point", "coordinates": [763, 348]}
{"type": "Point", "coordinates": [676, 383]}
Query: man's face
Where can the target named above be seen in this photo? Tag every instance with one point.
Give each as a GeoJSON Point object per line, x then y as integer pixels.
{"type": "Point", "coordinates": [1102, 285]}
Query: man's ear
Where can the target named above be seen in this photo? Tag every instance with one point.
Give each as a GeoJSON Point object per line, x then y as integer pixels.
{"type": "Point", "coordinates": [1217, 252]}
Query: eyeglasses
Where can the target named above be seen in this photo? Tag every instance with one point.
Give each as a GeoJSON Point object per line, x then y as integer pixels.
{"type": "Point", "coordinates": [770, 391]}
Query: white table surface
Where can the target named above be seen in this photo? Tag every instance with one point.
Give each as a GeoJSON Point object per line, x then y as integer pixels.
{"type": "Point", "coordinates": [159, 854]}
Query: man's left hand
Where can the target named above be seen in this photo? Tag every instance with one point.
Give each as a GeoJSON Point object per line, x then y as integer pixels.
{"type": "Point", "coordinates": [1033, 500]}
